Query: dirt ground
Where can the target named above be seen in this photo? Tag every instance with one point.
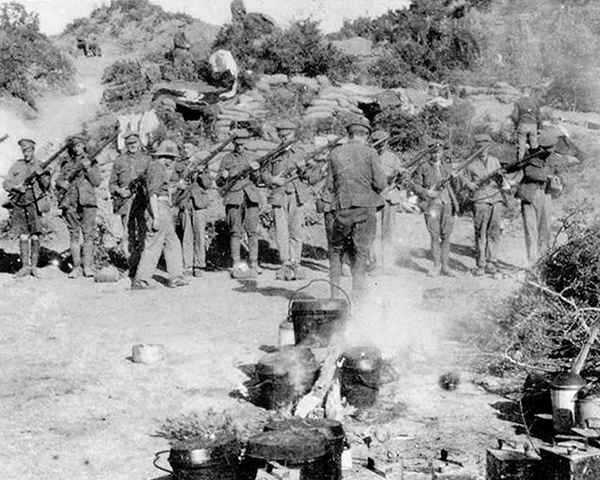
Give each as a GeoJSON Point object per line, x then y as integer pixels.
{"type": "Point", "coordinates": [74, 406]}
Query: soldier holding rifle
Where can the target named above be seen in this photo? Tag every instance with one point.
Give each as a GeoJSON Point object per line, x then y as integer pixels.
{"type": "Point", "coordinates": [27, 185]}
{"type": "Point", "coordinates": [237, 178]}
{"type": "Point", "coordinates": [76, 183]}
{"type": "Point", "coordinates": [287, 199]}
{"type": "Point", "coordinates": [440, 206]}
{"type": "Point", "coordinates": [487, 202]}
{"type": "Point", "coordinates": [126, 189]}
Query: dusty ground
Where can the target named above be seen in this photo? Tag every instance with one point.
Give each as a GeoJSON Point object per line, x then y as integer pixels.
{"type": "Point", "coordinates": [75, 407]}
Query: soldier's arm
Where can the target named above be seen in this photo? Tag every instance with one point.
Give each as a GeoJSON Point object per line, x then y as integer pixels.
{"type": "Point", "coordinates": [378, 178]}
{"type": "Point", "coordinates": [12, 181]}
{"type": "Point", "coordinates": [94, 174]}
{"type": "Point", "coordinates": [113, 181]}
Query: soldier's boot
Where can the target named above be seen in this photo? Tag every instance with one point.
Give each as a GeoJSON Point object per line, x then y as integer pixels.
{"type": "Point", "coordinates": [445, 257]}
{"type": "Point", "coordinates": [437, 259]}
{"type": "Point", "coordinates": [25, 252]}
{"type": "Point", "coordinates": [35, 255]}
{"type": "Point", "coordinates": [76, 256]}
{"type": "Point", "coordinates": [88, 259]}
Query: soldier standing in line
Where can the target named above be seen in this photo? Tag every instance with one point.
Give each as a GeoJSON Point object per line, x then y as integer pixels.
{"type": "Point", "coordinates": [440, 207]}
{"type": "Point", "coordinates": [27, 201]}
{"type": "Point", "coordinates": [192, 200]}
{"type": "Point", "coordinates": [356, 180]}
{"type": "Point", "coordinates": [76, 183]}
{"type": "Point", "coordinates": [161, 237]}
{"type": "Point", "coordinates": [241, 200]}
{"type": "Point", "coordinates": [538, 179]}
{"type": "Point", "coordinates": [127, 192]}
{"type": "Point", "coordinates": [526, 117]}
{"type": "Point", "coordinates": [487, 204]}
{"type": "Point", "coordinates": [383, 248]}
{"type": "Point", "coordinates": [287, 198]}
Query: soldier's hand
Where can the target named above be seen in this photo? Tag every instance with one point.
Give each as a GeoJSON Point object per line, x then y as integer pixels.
{"type": "Point", "coordinates": [86, 163]}
{"type": "Point", "coordinates": [182, 184]}
{"type": "Point", "coordinates": [124, 192]}
{"type": "Point", "coordinates": [254, 165]}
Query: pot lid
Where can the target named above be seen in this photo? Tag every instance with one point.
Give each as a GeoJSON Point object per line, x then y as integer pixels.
{"type": "Point", "coordinates": [568, 380]}
{"type": "Point", "coordinates": [287, 446]}
{"type": "Point", "coordinates": [332, 429]}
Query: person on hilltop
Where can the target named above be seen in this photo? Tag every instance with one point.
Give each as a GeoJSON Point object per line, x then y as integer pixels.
{"type": "Point", "coordinates": [383, 247]}
{"type": "Point", "coordinates": [537, 180]}
{"type": "Point", "coordinates": [126, 187]}
{"type": "Point", "coordinates": [487, 197]}
{"type": "Point", "coordinates": [527, 120]}
{"type": "Point", "coordinates": [287, 196]}
{"type": "Point", "coordinates": [192, 199]}
{"type": "Point", "coordinates": [440, 206]}
{"type": "Point", "coordinates": [238, 176]}
{"type": "Point", "coordinates": [28, 201]}
{"type": "Point", "coordinates": [181, 46]}
{"type": "Point", "coordinates": [356, 180]}
{"type": "Point", "coordinates": [161, 237]}
{"type": "Point", "coordinates": [77, 182]}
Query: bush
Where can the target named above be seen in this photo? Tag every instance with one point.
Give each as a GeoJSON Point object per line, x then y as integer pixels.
{"type": "Point", "coordinates": [30, 63]}
{"type": "Point", "coordinates": [391, 72]}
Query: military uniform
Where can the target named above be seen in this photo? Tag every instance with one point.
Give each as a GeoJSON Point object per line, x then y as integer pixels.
{"type": "Point", "coordinates": [526, 116]}
{"type": "Point", "coordinates": [534, 190]}
{"type": "Point", "coordinates": [241, 202]}
{"type": "Point", "coordinates": [487, 207]}
{"type": "Point", "coordinates": [28, 203]}
{"type": "Point", "coordinates": [77, 182]}
{"type": "Point", "coordinates": [181, 47]}
{"type": "Point", "coordinates": [192, 202]}
{"type": "Point", "coordinates": [287, 201]}
{"type": "Point", "coordinates": [440, 212]}
{"type": "Point", "coordinates": [128, 173]}
{"type": "Point", "coordinates": [163, 239]}
{"type": "Point", "coordinates": [356, 180]}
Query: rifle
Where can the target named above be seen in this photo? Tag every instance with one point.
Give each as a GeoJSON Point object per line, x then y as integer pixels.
{"type": "Point", "coordinates": [32, 176]}
{"type": "Point", "coordinates": [192, 170]}
{"type": "Point", "coordinates": [263, 162]}
{"type": "Point", "coordinates": [516, 165]}
{"type": "Point", "coordinates": [445, 181]}
{"type": "Point", "coordinates": [3, 138]}
{"type": "Point", "coordinates": [77, 171]}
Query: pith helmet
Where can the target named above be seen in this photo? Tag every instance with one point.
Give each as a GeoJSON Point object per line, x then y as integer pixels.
{"type": "Point", "coordinates": [168, 148]}
{"type": "Point", "coordinates": [358, 124]}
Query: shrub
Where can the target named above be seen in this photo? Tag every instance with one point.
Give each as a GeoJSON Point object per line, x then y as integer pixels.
{"type": "Point", "coordinates": [391, 72]}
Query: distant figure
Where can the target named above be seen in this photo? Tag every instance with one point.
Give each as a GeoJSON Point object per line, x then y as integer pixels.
{"type": "Point", "coordinates": [181, 46]}
{"type": "Point", "coordinates": [526, 117]}
{"type": "Point", "coordinates": [90, 48]}
{"type": "Point", "coordinates": [224, 72]}
{"type": "Point", "coordinates": [238, 12]}
{"type": "Point", "coordinates": [257, 23]}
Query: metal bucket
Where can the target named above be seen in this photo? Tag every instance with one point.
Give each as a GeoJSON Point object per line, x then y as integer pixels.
{"type": "Point", "coordinates": [587, 408]}
{"type": "Point", "coordinates": [564, 391]}
{"type": "Point", "coordinates": [361, 375]}
{"type": "Point", "coordinates": [286, 333]}
{"type": "Point", "coordinates": [317, 321]}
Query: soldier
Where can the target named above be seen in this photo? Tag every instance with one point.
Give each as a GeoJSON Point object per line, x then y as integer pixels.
{"type": "Point", "coordinates": [383, 251]}
{"type": "Point", "coordinates": [28, 203]}
{"type": "Point", "coordinates": [181, 46]}
{"type": "Point", "coordinates": [76, 183]}
{"type": "Point", "coordinates": [526, 117]}
{"type": "Point", "coordinates": [161, 237]}
{"type": "Point", "coordinates": [537, 180]}
{"type": "Point", "coordinates": [126, 188]}
{"type": "Point", "coordinates": [486, 194]}
{"type": "Point", "coordinates": [356, 180]}
{"type": "Point", "coordinates": [440, 207]}
{"type": "Point", "coordinates": [241, 200]}
{"type": "Point", "coordinates": [192, 199]}
{"type": "Point", "coordinates": [287, 198]}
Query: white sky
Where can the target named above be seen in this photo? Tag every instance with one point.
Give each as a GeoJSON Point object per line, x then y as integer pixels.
{"type": "Point", "coordinates": [56, 14]}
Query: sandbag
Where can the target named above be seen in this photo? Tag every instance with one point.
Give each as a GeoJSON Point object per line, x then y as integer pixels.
{"type": "Point", "coordinates": [276, 79]}
{"type": "Point", "coordinates": [318, 115]}
{"type": "Point", "coordinates": [323, 102]}
{"type": "Point", "coordinates": [305, 81]}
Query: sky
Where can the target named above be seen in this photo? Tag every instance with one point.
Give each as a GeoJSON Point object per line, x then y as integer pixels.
{"type": "Point", "coordinates": [56, 14]}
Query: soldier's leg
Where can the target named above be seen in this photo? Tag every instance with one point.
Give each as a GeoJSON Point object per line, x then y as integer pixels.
{"type": "Point", "coordinates": [447, 226]}
{"type": "Point", "coordinates": [296, 224]}
{"type": "Point", "coordinates": [282, 232]}
{"type": "Point", "coordinates": [171, 245]}
{"type": "Point", "coordinates": [530, 228]}
{"type": "Point", "coordinates": [532, 136]}
{"type": "Point", "coordinates": [153, 247]}
{"type": "Point", "coordinates": [138, 227]}
{"type": "Point", "coordinates": [251, 220]}
{"type": "Point", "coordinates": [187, 241]}
{"type": "Point", "coordinates": [35, 254]}
{"type": "Point", "coordinates": [25, 254]}
{"type": "Point", "coordinates": [363, 236]}
{"type": "Point", "coordinates": [88, 227]}
{"type": "Point", "coordinates": [234, 221]}
{"type": "Point", "coordinates": [434, 227]}
{"type": "Point", "coordinates": [493, 233]}
{"type": "Point", "coordinates": [388, 232]}
{"type": "Point", "coordinates": [376, 254]}
{"type": "Point", "coordinates": [481, 217]}
{"type": "Point", "coordinates": [521, 143]}
{"type": "Point", "coordinates": [544, 216]}
{"type": "Point", "coordinates": [199, 222]}
{"type": "Point", "coordinates": [337, 243]}
{"type": "Point", "coordinates": [73, 220]}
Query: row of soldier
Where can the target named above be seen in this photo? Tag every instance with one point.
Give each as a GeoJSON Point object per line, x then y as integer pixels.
{"type": "Point", "coordinates": [359, 202]}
